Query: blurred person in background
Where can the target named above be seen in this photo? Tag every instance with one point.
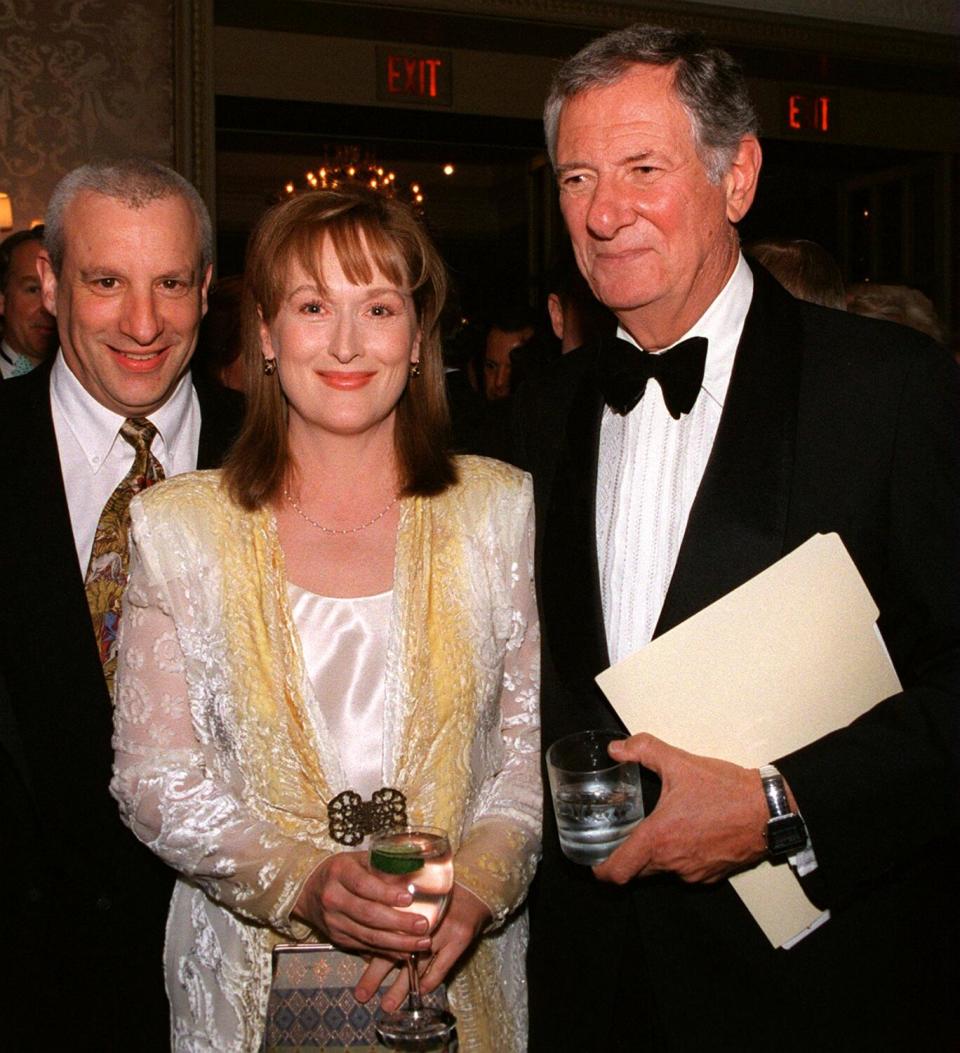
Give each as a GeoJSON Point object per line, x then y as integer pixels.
{"type": "Point", "coordinates": [218, 345]}
{"type": "Point", "coordinates": [461, 343]}
{"type": "Point", "coordinates": [895, 303]}
{"type": "Point", "coordinates": [508, 330]}
{"type": "Point", "coordinates": [576, 315]}
{"type": "Point", "coordinates": [804, 268]}
{"type": "Point", "coordinates": [29, 330]}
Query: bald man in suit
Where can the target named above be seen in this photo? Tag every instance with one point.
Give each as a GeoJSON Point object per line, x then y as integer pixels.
{"type": "Point", "coordinates": [125, 271]}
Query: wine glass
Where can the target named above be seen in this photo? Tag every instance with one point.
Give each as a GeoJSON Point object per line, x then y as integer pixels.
{"type": "Point", "coordinates": [417, 858]}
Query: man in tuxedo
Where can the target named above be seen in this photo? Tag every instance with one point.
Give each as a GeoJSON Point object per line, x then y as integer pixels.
{"type": "Point", "coordinates": [125, 270]}
{"type": "Point", "coordinates": [662, 482]}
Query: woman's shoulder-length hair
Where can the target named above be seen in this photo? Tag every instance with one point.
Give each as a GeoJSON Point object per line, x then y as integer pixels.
{"type": "Point", "coordinates": [369, 232]}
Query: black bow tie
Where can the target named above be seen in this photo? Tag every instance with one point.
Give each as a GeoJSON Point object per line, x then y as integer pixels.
{"type": "Point", "coordinates": [624, 371]}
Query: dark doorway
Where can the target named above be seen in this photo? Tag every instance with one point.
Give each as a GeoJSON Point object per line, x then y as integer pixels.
{"type": "Point", "coordinates": [479, 214]}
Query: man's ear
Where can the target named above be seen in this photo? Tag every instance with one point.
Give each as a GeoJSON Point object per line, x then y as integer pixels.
{"type": "Point", "coordinates": [555, 310]}
{"type": "Point", "coordinates": [740, 180]}
{"type": "Point", "coordinates": [48, 281]}
{"type": "Point", "coordinates": [205, 288]}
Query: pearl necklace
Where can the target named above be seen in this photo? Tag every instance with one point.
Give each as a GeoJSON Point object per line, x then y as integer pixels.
{"type": "Point", "coordinates": [332, 530]}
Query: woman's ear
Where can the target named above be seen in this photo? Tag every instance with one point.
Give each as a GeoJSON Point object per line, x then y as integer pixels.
{"type": "Point", "coordinates": [266, 340]}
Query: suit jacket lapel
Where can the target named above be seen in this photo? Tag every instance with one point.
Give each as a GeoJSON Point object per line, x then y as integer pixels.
{"type": "Point", "coordinates": [45, 551]}
{"type": "Point", "coordinates": [738, 520]}
{"type": "Point", "coordinates": [51, 646]}
{"type": "Point", "coordinates": [570, 579]}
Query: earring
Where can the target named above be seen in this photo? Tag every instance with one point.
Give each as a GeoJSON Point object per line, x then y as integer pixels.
{"type": "Point", "coordinates": [415, 369]}
{"type": "Point", "coordinates": [269, 367]}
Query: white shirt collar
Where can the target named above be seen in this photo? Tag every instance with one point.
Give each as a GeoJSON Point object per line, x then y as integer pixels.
{"type": "Point", "coordinates": [97, 428]}
{"type": "Point", "coordinates": [722, 325]}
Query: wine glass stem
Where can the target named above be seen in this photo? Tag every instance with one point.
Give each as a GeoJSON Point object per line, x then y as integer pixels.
{"type": "Point", "coordinates": [413, 996]}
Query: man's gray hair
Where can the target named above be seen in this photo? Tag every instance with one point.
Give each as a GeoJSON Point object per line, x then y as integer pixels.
{"type": "Point", "coordinates": [134, 181]}
{"type": "Point", "coordinates": [708, 81]}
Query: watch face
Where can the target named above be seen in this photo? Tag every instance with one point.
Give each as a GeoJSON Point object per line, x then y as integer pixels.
{"type": "Point", "coordinates": [786, 835]}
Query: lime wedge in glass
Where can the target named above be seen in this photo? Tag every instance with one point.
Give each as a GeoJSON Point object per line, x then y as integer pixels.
{"type": "Point", "coordinates": [395, 862]}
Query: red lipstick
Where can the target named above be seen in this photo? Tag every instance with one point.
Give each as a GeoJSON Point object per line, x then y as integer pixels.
{"type": "Point", "coordinates": [346, 381]}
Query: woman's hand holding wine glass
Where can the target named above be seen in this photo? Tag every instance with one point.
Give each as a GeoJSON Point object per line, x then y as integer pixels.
{"type": "Point", "coordinates": [389, 903]}
{"type": "Point", "coordinates": [463, 922]}
{"type": "Point", "coordinates": [420, 860]}
{"type": "Point", "coordinates": [360, 909]}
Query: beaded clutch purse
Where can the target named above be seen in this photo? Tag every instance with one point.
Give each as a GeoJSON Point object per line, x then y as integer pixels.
{"type": "Point", "coordinates": [312, 1006]}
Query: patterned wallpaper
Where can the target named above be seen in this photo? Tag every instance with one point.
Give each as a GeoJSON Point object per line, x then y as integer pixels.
{"type": "Point", "coordinates": [80, 79]}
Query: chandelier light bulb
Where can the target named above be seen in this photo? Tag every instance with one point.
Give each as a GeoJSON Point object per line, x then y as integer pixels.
{"type": "Point", "coordinates": [351, 166]}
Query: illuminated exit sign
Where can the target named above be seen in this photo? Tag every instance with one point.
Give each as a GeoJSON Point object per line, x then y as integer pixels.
{"type": "Point", "coordinates": [809, 113]}
{"type": "Point", "coordinates": [420, 75]}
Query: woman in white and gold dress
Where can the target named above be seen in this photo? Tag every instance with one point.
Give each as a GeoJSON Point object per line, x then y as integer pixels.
{"type": "Point", "coordinates": [343, 607]}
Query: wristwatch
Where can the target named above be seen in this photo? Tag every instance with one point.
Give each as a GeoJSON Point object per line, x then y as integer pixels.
{"type": "Point", "coordinates": [786, 832]}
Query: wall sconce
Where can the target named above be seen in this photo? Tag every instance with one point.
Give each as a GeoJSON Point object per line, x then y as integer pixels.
{"type": "Point", "coordinates": [6, 212]}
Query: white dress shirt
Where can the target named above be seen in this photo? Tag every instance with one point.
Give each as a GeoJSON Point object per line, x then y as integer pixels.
{"type": "Point", "coordinates": [94, 457]}
{"type": "Point", "coordinates": [649, 471]}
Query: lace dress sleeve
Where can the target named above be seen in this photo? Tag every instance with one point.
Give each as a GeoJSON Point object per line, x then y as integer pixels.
{"type": "Point", "coordinates": [498, 855]}
{"type": "Point", "coordinates": [174, 792]}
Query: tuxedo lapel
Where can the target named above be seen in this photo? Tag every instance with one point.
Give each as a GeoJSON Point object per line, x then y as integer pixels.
{"type": "Point", "coordinates": [570, 579]}
{"type": "Point", "coordinates": [737, 524]}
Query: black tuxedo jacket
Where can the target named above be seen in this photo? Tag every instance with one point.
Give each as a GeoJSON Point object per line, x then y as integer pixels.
{"type": "Point", "coordinates": [84, 903]}
{"type": "Point", "coordinates": [831, 423]}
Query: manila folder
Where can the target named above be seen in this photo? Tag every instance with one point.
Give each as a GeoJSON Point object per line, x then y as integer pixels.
{"type": "Point", "coordinates": [787, 657]}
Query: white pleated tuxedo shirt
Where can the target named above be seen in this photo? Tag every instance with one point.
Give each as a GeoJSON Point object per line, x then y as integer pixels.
{"type": "Point", "coordinates": [650, 468]}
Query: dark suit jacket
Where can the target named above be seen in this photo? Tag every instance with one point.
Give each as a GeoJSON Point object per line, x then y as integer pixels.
{"type": "Point", "coordinates": [466, 413]}
{"type": "Point", "coordinates": [831, 423]}
{"type": "Point", "coordinates": [84, 903]}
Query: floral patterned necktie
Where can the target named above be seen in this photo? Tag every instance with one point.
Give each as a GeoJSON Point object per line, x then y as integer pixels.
{"type": "Point", "coordinates": [106, 576]}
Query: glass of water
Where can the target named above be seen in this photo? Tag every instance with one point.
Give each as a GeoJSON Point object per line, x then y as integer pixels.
{"type": "Point", "coordinates": [597, 801]}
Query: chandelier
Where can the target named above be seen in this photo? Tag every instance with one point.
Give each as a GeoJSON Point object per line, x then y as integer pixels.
{"type": "Point", "coordinates": [349, 166]}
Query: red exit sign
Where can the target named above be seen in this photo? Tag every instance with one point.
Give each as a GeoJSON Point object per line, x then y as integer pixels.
{"type": "Point", "coordinates": [811, 113]}
{"type": "Point", "coordinates": [419, 75]}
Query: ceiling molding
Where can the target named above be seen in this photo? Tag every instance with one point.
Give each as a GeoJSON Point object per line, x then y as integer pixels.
{"type": "Point", "coordinates": [731, 25]}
